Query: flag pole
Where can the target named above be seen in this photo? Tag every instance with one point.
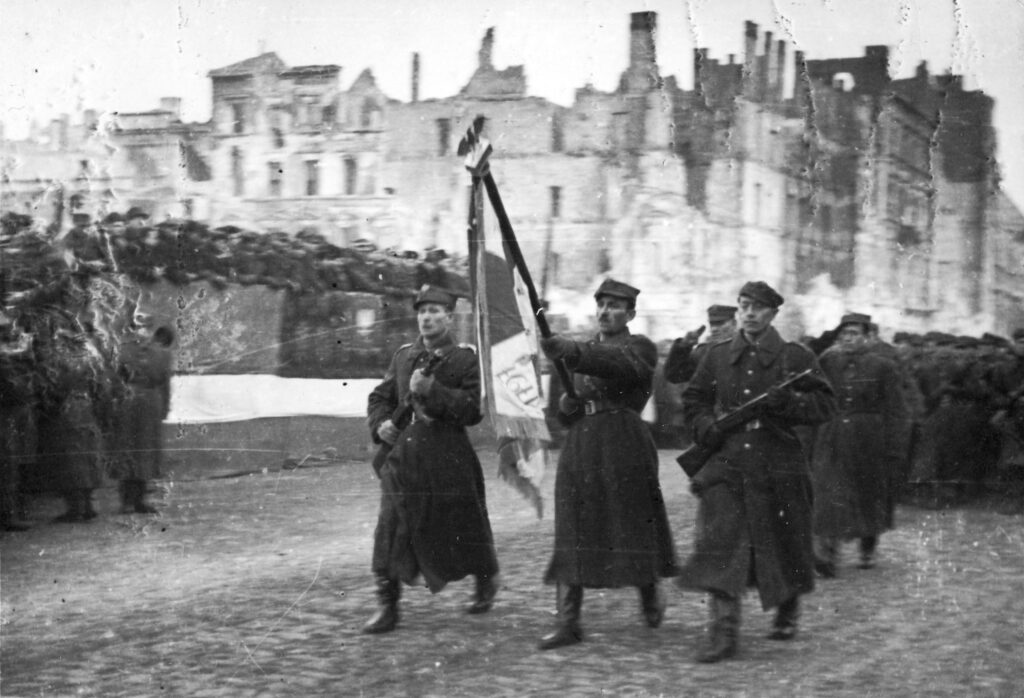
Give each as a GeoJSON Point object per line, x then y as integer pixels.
{"type": "Point", "coordinates": [478, 150]}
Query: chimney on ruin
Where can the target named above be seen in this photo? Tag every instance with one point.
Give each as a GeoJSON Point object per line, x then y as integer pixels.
{"type": "Point", "coordinates": [801, 80]}
{"type": "Point", "coordinates": [415, 77]}
{"type": "Point", "coordinates": [642, 26]}
{"type": "Point", "coordinates": [780, 76]}
{"type": "Point", "coordinates": [750, 76]}
{"type": "Point", "coordinates": [769, 69]}
{"type": "Point", "coordinates": [699, 54]}
{"type": "Point", "coordinates": [172, 105]}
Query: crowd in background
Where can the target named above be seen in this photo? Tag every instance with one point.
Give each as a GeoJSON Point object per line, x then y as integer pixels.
{"type": "Point", "coordinates": [964, 419]}
{"type": "Point", "coordinates": [71, 363]}
{"type": "Point", "coordinates": [84, 373]}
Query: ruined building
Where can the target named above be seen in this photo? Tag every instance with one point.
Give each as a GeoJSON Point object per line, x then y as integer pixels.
{"type": "Point", "coordinates": [845, 188]}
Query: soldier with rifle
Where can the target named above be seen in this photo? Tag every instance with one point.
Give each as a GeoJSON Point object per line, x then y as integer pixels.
{"type": "Point", "coordinates": [754, 516]}
{"type": "Point", "coordinates": [433, 519]}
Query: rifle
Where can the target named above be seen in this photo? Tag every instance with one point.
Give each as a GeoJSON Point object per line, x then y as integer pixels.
{"type": "Point", "coordinates": [694, 457]}
{"type": "Point", "coordinates": [402, 416]}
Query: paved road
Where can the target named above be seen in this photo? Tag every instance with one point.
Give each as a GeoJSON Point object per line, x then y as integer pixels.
{"type": "Point", "coordinates": [258, 586]}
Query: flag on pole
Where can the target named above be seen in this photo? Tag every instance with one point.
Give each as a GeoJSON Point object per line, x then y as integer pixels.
{"type": "Point", "coordinates": [507, 341]}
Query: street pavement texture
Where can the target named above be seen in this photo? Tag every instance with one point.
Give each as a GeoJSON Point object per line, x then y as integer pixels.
{"type": "Point", "coordinates": [258, 585]}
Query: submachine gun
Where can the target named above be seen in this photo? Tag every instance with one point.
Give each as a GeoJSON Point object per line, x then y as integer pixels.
{"type": "Point", "coordinates": [402, 416]}
{"type": "Point", "coordinates": [694, 457]}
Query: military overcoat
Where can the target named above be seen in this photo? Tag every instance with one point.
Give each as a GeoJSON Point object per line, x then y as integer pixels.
{"type": "Point", "coordinates": [754, 518]}
{"type": "Point", "coordinates": [858, 454]}
{"type": "Point", "coordinates": [433, 514]}
{"type": "Point", "coordinates": [145, 368]}
{"type": "Point", "coordinates": [611, 529]}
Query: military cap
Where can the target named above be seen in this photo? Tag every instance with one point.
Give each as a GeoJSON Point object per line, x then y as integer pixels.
{"type": "Point", "coordinates": [762, 293]}
{"type": "Point", "coordinates": [855, 319]}
{"type": "Point", "coordinates": [112, 218]}
{"type": "Point", "coordinates": [135, 212]}
{"type": "Point", "coordinates": [81, 218]}
{"type": "Point", "coordinates": [617, 289]}
{"type": "Point", "coordinates": [1018, 334]}
{"type": "Point", "coordinates": [965, 342]}
{"type": "Point", "coordinates": [995, 340]}
{"type": "Point", "coordinates": [434, 294]}
{"type": "Point", "coordinates": [721, 313]}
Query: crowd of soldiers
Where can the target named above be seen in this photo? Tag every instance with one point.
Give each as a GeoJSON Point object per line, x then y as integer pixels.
{"type": "Point", "coordinates": [185, 251]}
{"type": "Point", "coordinates": [85, 379]}
{"type": "Point", "coordinates": [961, 427]}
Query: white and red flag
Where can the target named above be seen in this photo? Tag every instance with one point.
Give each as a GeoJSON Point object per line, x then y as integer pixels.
{"type": "Point", "coordinates": [507, 339]}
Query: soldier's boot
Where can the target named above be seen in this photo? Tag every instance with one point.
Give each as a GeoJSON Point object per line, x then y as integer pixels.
{"type": "Point", "coordinates": [652, 603]}
{"type": "Point", "coordinates": [722, 638]}
{"type": "Point", "coordinates": [483, 597]}
{"type": "Point", "coordinates": [74, 510]}
{"type": "Point", "coordinates": [88, 512]}
{"type": "Point", "coordinates": [135, 497]}
{"type": "Point", "coordinates": [826, 556]}
{"type": "Point", "coordinates": [787, 617]}
{"type": "Point", "coordinates": [570, 602]}
{"type": "Point", "coordinates": [386, 618]}
{"type": "Point", "coordinates": [868, 545]}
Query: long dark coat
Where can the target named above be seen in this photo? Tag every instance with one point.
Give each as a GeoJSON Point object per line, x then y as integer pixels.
{"type": "Point", "coordinates": [611, 529]}
{"type": "Point", "coordinates": [1004, 381]}
{"type": "Point", "coordinates": [957, 444]}
{"type": "Point", "coordinates": [68, 432]}
{"type": "Point", "coordinates": [433, 513]}
{"type": "Point", "coordinates": [754, 517]}
{"type": "Point", "coordinates": [858, 454]}
{"type": "Point", "coordinates": [145, 368]}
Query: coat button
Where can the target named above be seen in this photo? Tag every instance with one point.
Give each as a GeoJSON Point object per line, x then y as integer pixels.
{"type": "Point", "coordinates": [747, 445]}
{"type": "Point", "coordinates": [746, 392]}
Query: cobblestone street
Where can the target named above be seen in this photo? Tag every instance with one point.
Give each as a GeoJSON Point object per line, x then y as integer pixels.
{"type": "Point", "coordinates": [258, 586]}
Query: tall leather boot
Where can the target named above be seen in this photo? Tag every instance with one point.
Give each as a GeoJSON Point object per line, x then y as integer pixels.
{"type": "Point", "coordinates": [483, 598]}
{"type": "Point", "coordinates": [652, 603]}
{"type": "Point", "coordinates": [787, 616]}
{"type": "Point", "coordinates": [826, 556]}
{"type": "Point", "coordinates": [868, 545]}
{"type": "Point", "coordinates": [88, 512]}
{"type": "Point", "coordinates": [722, 639]}
{"type": "Point", "coordinates": [74, 507]}
{"type": "Point", "coordinates": [386, 618]}
{"type": "Point", "coordinates": [570, 601]}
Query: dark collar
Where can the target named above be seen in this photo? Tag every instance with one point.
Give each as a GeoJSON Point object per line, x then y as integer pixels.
{"type": "Point", "coordinates": [614, 339]}
{"type": "Point", "coordinates": [445, 344]}
{"type": "Point", "coordinates": [767, 348]}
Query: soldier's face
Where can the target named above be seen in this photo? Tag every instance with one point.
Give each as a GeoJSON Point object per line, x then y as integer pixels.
{"type": "Point", "coordinates": [613, 314]}
{"type": "Point", "coordinates": [755, 316]}
{"type": "Point", "coordinates": [852, 336]}
{"type": "Point", "coordinates": [433, 320]}
{"type": "Point", "coordinates": [722, 330]}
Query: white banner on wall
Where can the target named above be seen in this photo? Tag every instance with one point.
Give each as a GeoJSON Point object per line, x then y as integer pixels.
{"type": "Point", "coordinates": [234, 398]}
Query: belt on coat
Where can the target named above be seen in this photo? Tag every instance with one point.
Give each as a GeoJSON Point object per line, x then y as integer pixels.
{"type": "Point", "coordinates": [592, 407]}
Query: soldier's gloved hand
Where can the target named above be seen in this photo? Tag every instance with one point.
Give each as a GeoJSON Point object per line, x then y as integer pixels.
{"type": "Point", "coordinates": [420, 384]}
{"type": "Point", "coordinates": [692, 336]}
{"type": "Point", "coordinates": [710, 436]}
{"type": "Point", "coordinates": [568, 405]}
{"type": "Point", "coordinates": [556, 347]}
{"type": "Point", "coordinates": [388, 432]}
{"type": "Point", "coordinates": [777, 400]}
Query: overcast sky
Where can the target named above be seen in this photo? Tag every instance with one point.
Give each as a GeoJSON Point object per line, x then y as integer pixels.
{"type": "Point", "coordinates": [63, 56]}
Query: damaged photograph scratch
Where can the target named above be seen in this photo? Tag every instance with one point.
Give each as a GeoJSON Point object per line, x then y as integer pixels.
{"type": "Point", "coordinates": [511, 347]}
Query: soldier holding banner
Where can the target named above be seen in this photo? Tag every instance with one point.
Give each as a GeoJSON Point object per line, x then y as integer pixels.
{"type": "Point", "coordinates": [433, 519]}
{"type": "Point", "coordinates": [611, 529]}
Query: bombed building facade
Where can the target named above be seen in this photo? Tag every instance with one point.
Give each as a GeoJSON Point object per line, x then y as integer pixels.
{"type": "Point", "coordinates": [841, 186]}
